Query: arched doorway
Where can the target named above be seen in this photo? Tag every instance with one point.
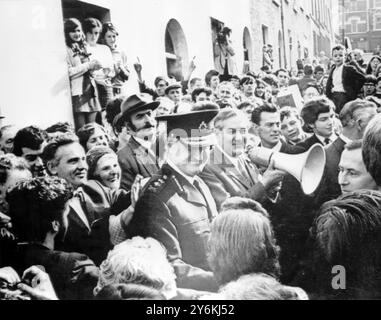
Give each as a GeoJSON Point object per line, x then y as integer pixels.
{"type": "Point", "coordinates": [247, 50]}
{"type": "Point", "coordinates": [176, 50]}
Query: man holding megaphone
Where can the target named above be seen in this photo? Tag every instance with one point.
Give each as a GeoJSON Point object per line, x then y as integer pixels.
{"type": "Point", "coordinates": [230, 172]}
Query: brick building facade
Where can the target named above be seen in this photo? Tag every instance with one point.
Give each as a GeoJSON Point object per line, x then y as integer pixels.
{"type": "Point", "coordinates": [362, 23]}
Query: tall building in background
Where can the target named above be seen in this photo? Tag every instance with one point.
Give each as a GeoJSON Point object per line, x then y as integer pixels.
{"type": "Point", "coordinates": [361, 23]}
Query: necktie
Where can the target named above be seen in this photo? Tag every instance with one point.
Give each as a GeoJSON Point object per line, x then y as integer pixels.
{"type": "Point", "coordinates": [210, 203]}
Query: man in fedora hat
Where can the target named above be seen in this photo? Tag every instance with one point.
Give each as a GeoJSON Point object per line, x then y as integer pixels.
{"type": "Point", "coordinates": [139, 155]}
{"type": "Point", "coordinates": [179, 212]}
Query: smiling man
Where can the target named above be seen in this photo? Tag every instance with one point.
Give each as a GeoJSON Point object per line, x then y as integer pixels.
{"type": "Point", "coordinates": [29, 143]}
{"type": "Point", "coordinates": [96, 214]}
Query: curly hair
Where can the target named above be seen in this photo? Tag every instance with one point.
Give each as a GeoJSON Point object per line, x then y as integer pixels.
{"type": "Point", "coordinates": [35, 203]}
{"type": "Point", "coordinates": [138, 261]}
{"type": "Point", "coordinates": [9, 162]}
{"type": "Point", "coordinates": [242, 241]}
{"type": "Point", "coordinates": [29, 137]}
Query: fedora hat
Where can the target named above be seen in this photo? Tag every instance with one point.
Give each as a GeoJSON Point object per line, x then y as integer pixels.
{"type": "Point", "coordinates": [135, 103]}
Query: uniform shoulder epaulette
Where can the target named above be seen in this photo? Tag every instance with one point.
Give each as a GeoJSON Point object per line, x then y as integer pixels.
{"type": "Point", "coordinates": [164, 186]}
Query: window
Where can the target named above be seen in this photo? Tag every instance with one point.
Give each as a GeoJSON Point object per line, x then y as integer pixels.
{"type": "Point", "coordinates": [247, 47]}
{"type": "Point", "coordinates": [265, 34]}
{"type": "Point", "coordinates": [377, 22]}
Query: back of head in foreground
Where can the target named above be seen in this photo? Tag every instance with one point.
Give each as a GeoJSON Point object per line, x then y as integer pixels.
{"type": "Point", "coordinates": [242, 241]}
{"type": "Point", "coordinates": [347, 234]}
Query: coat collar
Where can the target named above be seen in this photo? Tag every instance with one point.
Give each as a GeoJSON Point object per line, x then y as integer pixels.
{"type": "Point", "coordinates": [188, 191]}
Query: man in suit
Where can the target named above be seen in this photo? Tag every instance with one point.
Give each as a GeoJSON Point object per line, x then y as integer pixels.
{"type": "Point", "coordinates": [96, 215]}
{"type": "Point", "coordinates": [344, 82]}
{"type": "Point", "coordinates": [318, 115]}
{"type": "Point", "coordinates": [230, 173]}
{"type": "Point", "coordinates": [179, 213]}
{"type": "Point", "coordinates": [266, 121]}
{"type": "Point", "coordinates": [353, 175]}
{"type": "Point", "coordinates": [139, 155]}
{"type": "Point", "coordinates": [37, 206]}
{"type": "Point", "coordinates": [354, 117]}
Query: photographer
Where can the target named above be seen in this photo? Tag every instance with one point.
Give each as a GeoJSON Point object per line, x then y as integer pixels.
{"type": "Point", "coordinates": [223, 55]}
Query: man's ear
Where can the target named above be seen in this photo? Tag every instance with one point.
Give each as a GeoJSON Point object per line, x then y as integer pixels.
{"type": "Point", "coordinates": [52, 167]}
{"type": "Point", "coordinates": [55, 226]}
{"type": "Point", "coordinates": [256, 129]}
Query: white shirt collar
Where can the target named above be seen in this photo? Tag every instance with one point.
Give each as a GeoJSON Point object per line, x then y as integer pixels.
{"type": "Point", "coordinates": [332, 138]}
{"type": "Point", "coordinates": [145, 143]}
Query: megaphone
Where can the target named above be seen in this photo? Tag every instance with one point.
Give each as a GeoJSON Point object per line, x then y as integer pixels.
{"type": "Point", "coordinates": [307, 168]}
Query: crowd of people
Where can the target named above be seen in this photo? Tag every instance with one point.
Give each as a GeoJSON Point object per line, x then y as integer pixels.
{"type": "Point", "coordinates": [158, 194]}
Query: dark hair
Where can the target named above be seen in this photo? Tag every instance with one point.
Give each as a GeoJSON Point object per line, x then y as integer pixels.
{"type": "Point", "coordinates": [196, 92]}
{"type": "Point", "coordinates": [260, 81]}
{"type": "Point", "coordinates": [129, 291]}
{"type": "Point", "coordinates": [271, 80]}
{"type": "Point", "coordinates": [51, 148]}
{"type": "Point", "coordinates": [90, 23]}
{"type": "Point", "coordinates": [29, 137]}
{"type": "Point", "coordinates": [338, 47]}
{"type": "Point", "coordinates": [280, 70]}
{"type": "Point", "coordinates": [308, 69]}
{"type": "Point", "coordinates": [318, 68]}
{"type": "Point", "coordinates": [209, 75]}
{"type": "Point", "coordinates": [160, 78]}
{"type": "Point", "coordinates": [112, 110]}
{"type": "Point", "coordinates": [64, 127]}
{"type": "Point", "coordinates": [84, 133]}
{"type": "Point", "coordinates": [313, 108]}
{"type": "Point", "coordinates": [369, 67]}
{"type": "Point", "coordinates": [245, 104]}
{"type": "Point", "coordinates": [246, 79]}
{"type": "Point", "coordinates": [370, 78]}
{"type": "Point", "coordinates": [107, 26]}
{"type": "Point", "coordinates": [265, 107]}
{"type": "Point", "coordinates": [34, 204]}
{"type": "Point", "coordinates": [347, 233]}
{"type": "Point", "coordinates": [69, 26]}
{"type": "Point", "coordinates": [371, 150]}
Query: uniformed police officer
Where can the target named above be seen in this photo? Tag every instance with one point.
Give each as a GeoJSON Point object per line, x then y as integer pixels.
{"type": "Point", "coordinates": [179, 212]}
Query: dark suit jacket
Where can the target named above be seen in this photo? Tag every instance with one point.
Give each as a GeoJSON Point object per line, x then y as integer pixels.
{"type": "Point", "coordinates": [309, 142]}
{"type": "Point", "coordinates": [353, 81]}
{"type": "Point", "coordinates": [329, 188]}
{"type": "Point", "coordinates": [134, 159]}
{"type": "Point", "coordinates": [225, 180]}
{"type": "Point", "coordinates": [94, 203]}
{"type": "Point", "coordinates": [177, 215]}
{"type": "Point", "coordinates": [73, 275]}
